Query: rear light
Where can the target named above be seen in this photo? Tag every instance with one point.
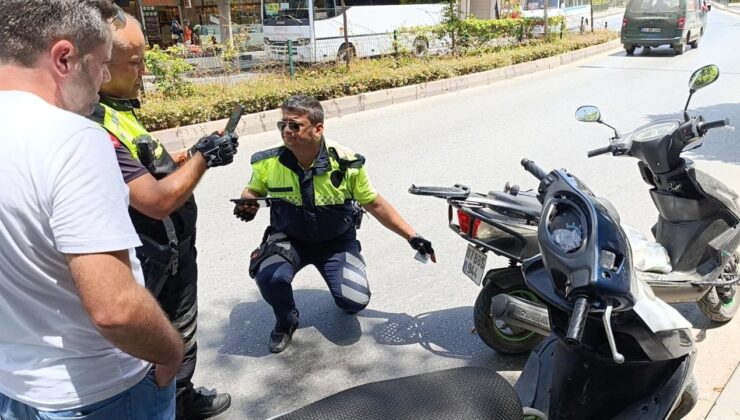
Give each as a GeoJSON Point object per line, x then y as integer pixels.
{"type": "Point", "coordinates": [485, 232]}
{"type": "Point", "coordinates": [681, 22]}
{"type": "Point", "coordinates": [464, 220]}
{"type": "Point", "coordinates": [624, 22]}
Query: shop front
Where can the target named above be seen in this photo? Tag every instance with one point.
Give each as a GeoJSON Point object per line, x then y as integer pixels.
{"type": "Point", "coordinates": [208, 17]}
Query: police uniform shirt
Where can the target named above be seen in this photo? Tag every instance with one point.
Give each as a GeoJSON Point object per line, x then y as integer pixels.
{"type": "Point", "coordinates": [317, 202]}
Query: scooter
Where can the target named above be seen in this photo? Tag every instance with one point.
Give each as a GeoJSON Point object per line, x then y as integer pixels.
{"type": "Point", "coordinates": [505, 223]}
{"type": "Point", "coordinates": [696, 229]}
{"type": "Point", "coordinates": [615, 350]}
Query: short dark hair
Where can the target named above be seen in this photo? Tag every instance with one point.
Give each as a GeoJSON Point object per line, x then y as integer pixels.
{"type": "Point", "coordinates": [29, 27]}
{"type": "Point", "coordinates": [302, 104]}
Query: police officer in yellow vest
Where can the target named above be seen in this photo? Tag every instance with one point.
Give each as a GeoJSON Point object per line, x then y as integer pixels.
{"type": "Point", "coordinates": [162, 209]}
{"type": "Point", "coordinates": [319, 185]}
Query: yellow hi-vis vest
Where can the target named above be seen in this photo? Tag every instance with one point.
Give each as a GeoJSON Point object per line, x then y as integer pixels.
{"type": "Point", "coordinates": [127, 129]}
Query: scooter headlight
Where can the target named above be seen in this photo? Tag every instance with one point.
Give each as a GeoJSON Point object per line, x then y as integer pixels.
{"type": "Point", "coordinates": [566, 225]}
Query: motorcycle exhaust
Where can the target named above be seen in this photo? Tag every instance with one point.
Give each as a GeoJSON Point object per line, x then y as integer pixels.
{"type": "Point", "coordinates": [521, 313]}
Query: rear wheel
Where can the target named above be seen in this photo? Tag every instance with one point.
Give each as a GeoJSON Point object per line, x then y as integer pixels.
{"type": "Point", "coordinates": [630, 49]}
{"type": "Point", "coordinates": [680, 48]}
{"type": "Point", "coordinates": [695, 43]}
{"type": "Point", "coordinates": [497, 334]}
{"type": "Point", "coordinates": [346, 52]}
{"type": "Point", "coordinates": [721, 303]}
{"type": "Point", "coordinates": [420, 47]}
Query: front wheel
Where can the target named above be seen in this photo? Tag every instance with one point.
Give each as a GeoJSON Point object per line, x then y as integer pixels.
{"type": "Point", "coordinates": [689, 397]}
{"type": "Point", "coordinates": [497, 334]}
{"type": "Point", "coordinates": [721, 302]}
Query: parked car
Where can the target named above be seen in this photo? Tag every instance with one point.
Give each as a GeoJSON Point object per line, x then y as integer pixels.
{"type": "Point", "coordinates": [653, 23]}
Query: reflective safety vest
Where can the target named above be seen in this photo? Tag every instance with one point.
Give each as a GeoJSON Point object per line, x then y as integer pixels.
{"type": "Point", "coordinates": [124, 125]}
{"type": "Point", "coordinates": [161, 247]}
{"type": "Point", "coordinates": [319, 202]}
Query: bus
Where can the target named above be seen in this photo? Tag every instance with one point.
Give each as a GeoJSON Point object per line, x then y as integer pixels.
{"type": "Point", "coordinates": [574, 11]}
{"type": "Point", "coordinates": [316, 28]}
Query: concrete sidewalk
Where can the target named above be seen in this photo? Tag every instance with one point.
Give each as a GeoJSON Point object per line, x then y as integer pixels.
{"type": "Point", "coordinates": [732, 8]}
{"type": "Point", "coordinates": [727, 405]}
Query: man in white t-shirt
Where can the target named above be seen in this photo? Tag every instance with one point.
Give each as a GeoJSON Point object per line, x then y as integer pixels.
{"type": "Point", "coordinates": [80, 336]}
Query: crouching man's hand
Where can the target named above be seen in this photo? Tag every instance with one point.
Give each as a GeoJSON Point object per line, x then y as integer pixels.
{"type": "Point", "coordinates": [246, 212]}
{"type": "Point", "coordinates": [422, 245]}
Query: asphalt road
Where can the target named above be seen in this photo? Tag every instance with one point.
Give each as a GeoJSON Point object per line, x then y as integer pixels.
{"type": "Point", "coordinates": [420, 316]}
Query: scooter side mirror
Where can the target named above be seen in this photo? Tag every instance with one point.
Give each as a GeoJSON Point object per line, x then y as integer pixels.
{"type": "Point", "coordinates": [703, 77]}
{"type": "Point", "coordinates": [588, 113]}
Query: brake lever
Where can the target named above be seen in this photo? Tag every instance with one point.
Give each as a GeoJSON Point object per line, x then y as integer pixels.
{"type": "Point", "coordinates": [618, 357]}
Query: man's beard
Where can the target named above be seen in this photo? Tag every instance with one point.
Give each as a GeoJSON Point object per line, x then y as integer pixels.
{"type": "Point", "coordinates": [80, 94]}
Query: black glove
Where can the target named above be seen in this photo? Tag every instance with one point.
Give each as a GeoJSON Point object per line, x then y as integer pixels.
{"type": "Point", "coordinates": [422, 245]}
{"type": "Point", "coordinates": [246, 212]}
{"type": "Point", "coordinates": [217, 150]}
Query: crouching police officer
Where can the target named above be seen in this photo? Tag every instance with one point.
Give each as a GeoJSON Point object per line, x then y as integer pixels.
{"type": "Point", "coordinates": [162, 209]}
{"type": "Point", "coordinates": [319, 184]}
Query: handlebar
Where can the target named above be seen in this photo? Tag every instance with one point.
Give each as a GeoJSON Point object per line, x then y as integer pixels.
{"type": "Point", "coordinates": [600, 151]}
{"type": "Point", "coordinates": [703, 127]}
{"type": "Point", "coordinates": [577, 321]}
{"type": "Point", "coordinates": [533, 169]}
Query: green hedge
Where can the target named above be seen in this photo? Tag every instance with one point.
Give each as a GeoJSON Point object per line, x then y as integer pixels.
{"type": "Point", "coordinates": [214, 102]}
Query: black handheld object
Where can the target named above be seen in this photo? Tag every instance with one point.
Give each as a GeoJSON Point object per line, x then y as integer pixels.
{"type": "Point", "coordinates": [236, 115]}
{"type": "Point", "coordinates": [259, 201]}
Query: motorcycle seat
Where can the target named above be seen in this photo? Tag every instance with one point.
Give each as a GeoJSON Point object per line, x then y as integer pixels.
{"type": "Point", "coordinates": [459, 393]}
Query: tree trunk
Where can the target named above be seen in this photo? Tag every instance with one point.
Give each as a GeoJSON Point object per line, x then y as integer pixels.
{"type": "Point", "coordinates": [347, 49]}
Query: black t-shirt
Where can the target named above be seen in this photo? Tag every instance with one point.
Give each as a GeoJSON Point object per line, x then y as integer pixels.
{"type": "Point", "coordinates": [184, 218]}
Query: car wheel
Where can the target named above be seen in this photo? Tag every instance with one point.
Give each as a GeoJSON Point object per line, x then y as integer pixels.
{"type": "Point", "coordinates": [695, 43]}
{"type": "Point", "coordinates": [680, 48]}
{"type": "Point", "coordinates": [420, 47]}
{"type": "Point", "coordinates": [629, 49]}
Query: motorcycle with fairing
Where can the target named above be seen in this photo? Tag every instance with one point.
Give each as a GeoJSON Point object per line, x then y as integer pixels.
{"type": "Point", "coordinates": [614, 351]}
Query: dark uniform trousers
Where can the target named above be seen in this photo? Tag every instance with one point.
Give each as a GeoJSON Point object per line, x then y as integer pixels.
{"type": "Point", "coordinates": [179, 300]}
{"type": "Point", "coordinates": [340, 264]}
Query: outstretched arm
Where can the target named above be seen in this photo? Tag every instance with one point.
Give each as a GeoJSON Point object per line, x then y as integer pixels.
{"type": "Point", "coordinates": [389, 217]}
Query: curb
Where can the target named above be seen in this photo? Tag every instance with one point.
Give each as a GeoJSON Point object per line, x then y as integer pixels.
{"type": "Point", "coordinates": [181, 137]}
{"type": "Point", "coordinates": [725, 8]}
{"type": "Point", "coordinates": [727, 405]}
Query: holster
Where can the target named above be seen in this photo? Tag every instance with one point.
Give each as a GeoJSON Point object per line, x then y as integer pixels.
{"type": "Point", "coordinates": [359, 212]}
{"type": "Point", "coordinates": [273, 243]}
{"type": "Point", "coordinates": [158, 262]}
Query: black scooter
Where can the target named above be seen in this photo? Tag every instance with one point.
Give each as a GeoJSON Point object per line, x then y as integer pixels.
{"type": "Point", "coordinates": [615, 350]}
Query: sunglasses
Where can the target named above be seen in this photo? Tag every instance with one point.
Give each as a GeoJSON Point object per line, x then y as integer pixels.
{"type": "Point", "coordinates": [292, 126]}
{"type": "Point", "coordinates": [119, 20]}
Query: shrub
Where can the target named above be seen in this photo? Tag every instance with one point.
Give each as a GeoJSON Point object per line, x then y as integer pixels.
{"type": "Point", "coordinates": [168, 67]}
{"type": "Point", "coordinates": [211, 102]}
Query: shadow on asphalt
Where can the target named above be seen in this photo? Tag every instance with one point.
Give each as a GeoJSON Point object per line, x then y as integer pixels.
{"type": "Point", "coordinates": [698, 320]}
{"type": "Point", "coordinates": [719, 144]}
{"type": "Point", "coordinates": [250, 323]}
{"type": "Point", "coordinates": [446, 333]}
{"type": "Point", "coordinates": [664, 51]}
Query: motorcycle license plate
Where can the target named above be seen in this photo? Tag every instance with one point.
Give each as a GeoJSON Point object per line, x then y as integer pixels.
{"type": "Point", "coordinates": [651, 30]}
{"type": "Point", "coordinates": [475, 264]}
